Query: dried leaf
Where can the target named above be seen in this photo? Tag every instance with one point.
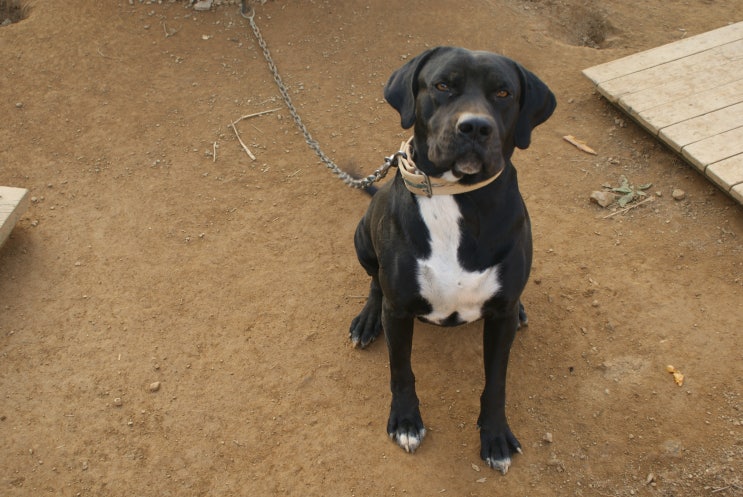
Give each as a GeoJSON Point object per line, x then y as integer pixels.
{"type": "Point", "coordinates": [626, 199]}
{"type": "Point", "coordinates": [678, 376]}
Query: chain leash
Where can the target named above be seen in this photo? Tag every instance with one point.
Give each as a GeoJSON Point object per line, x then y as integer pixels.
{"type": "Point", "coordinates": [248, 12]}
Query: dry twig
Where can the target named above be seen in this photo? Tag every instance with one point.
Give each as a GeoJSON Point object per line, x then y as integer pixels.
{"type": "Point", "coordinates": [649, 199]}
{"type": "Point", "coordinates": [245, 147]}
{"type": "Point", "coordinates": [248, 116]}
{"type": "Point", "coordinates": [256, 114]}
{"type": "Point", "coordinates": [579, 144]}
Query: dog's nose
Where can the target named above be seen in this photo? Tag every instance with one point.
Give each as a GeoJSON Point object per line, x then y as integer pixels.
{"type": "Point", "coordinates": [476, 127]}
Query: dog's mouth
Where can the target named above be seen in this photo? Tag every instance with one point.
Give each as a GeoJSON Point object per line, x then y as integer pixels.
{"type": "Point", "coordinates": [465, 162]}
{"type": "Point", "coordinates": [472, 167]}
{"type": "Point", "coordinates": [468, 165]}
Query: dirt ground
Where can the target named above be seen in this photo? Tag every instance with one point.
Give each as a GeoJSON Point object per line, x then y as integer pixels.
{"type": "Point", "coordinates": [231, 282]}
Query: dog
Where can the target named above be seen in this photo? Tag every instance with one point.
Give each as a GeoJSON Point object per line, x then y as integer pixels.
{"type": "Point", "coordinates": [448, 240]}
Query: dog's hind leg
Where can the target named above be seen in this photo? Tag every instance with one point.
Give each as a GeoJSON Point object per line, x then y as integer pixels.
{"type": "Point", "coordinates": [523, 319]}
{"type": "Point", "coordinates": [368, 324]}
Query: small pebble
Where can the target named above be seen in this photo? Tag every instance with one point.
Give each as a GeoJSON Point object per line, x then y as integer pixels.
{"type": "Point", "coordinates": [678, 194]}
{"type": "Point", "coordinates": [547, 437]}
{"type": "Point", "coordinates": [19, 105]}
{"type": "Point", "coordinates": [556, 463]}
{"type": "Point", "coordinates": [118, 402]}
{"type": "Point", "coordinates": [603, 198]}
{"type": "Point", "coordinates": [154, 386]}
{"type": "Point", "coordinates": [203, 5]}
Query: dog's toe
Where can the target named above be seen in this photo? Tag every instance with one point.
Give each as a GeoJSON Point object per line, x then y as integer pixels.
{"type": "Point", "coordinates": [497, 448]}
{"type": "Point", "coordinates": [406, 428]}
{"type": "Point", "coordinates": [365, 328]}
{"type": "Point", "coordinates": [501, 465]}
{"type": "Point", "coordinates": [361, 335]}
{"type": "Point", "coordinates": [409, 440]}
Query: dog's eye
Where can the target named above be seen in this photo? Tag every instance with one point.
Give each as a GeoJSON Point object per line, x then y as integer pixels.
{"type": "Point", "coordinates": [441, 86]}
{"type": "Point", "coordinates": [502, 93]}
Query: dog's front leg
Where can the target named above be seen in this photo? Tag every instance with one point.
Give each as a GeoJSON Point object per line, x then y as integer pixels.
{"type": "Point", "coordinates": [405, 425]}
{"type": "Point", "coordinates": [497, 443]}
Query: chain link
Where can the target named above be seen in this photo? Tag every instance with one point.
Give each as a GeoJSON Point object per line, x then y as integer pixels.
{"type": "Point", "coordinates": [248, 12]}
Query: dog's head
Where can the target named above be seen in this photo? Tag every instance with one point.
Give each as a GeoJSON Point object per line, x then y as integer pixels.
{"type": "Point", "coordinates": [470, 110]}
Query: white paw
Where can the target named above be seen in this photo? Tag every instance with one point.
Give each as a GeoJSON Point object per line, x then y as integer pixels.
{"type": "Point", "coordinates": [501, 465]}
{"type": "Point", "coordinates": [409, 441]}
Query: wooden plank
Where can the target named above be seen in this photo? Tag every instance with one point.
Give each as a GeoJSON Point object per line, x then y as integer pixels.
{"type": "Point", "coordinates": [727, 173]}
{"type": "Point", "coordinates": [737, 193]}
{"type": "Point", "coordinates": [661, 55]}
{"type": "Point", "coordinates": [694, 83]}
{"type": "Point", "coordinates": [690, 95]}
{"type": "Point", "coordinates": [707, 62]}
{"type": "Point", "coordinates": [714, 149]}
{"type": "Point", "coordinates": [676, 111]}
{"type": "Point", "coordinates": [705, 126]}
{"type": "Point", "coordinates": [13, 203]}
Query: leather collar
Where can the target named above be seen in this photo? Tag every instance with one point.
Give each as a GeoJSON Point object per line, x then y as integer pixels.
{"type": "Point", "coordinates": [420, 183]}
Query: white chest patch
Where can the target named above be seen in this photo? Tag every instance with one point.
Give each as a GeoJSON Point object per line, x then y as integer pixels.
{"type": "Point", "coordinates": [444, 283]}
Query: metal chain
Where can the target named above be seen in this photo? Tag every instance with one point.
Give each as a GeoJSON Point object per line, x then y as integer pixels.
{"type": "Point", "coordinates": [248, 12]}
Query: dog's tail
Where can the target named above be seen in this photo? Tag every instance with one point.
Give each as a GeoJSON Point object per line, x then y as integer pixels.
{"type": "Point", "coordinates": [353, 171]}
{"type": "Point", "coordinates": [370, 190]}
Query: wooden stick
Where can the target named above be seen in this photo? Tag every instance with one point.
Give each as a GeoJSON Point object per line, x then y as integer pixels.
{"type": "Point", "coordinates": [168, 33]}
{"type": "Point", "coordinates": [245, 147]}
{"type": "Point", "coordinates": [638, 204]}
{"type": "Point", "coordinates": [255, 115]}
{"type": "Point", "coordinates": [214, 152]}
{"type": "Point", "coordinates": [579, 144]}
{"type": "Point", "coordinates": [248, 116]}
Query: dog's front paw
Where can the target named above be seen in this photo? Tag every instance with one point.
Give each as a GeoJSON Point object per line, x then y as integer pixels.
{"type": "Point", "coordinates": [496, 448]}
{"type": "Point", "coordinates": [366, 326]}
{"type": "Point", "coordinates": [407, 432]}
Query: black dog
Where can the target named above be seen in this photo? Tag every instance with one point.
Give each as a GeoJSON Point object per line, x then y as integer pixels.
{"type": "Point", "coordinates": [448, 240]}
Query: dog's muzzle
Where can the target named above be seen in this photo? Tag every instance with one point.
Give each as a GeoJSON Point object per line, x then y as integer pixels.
{"type": "Point", "coordinates": [420, 183]}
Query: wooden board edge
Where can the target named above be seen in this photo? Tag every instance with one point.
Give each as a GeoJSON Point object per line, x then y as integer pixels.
{"type": "Point", "coordinates": [737, 193]}
{"type": "Point", "coordinates": [635, 62]}
{"type": "Point", "coordinates": [21, 206]}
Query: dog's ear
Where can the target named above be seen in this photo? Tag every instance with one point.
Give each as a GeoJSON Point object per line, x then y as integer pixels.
{"type": "Point", "coordinates": [536, 103]}
{"type": "Point", "coordinates": [402, 87]}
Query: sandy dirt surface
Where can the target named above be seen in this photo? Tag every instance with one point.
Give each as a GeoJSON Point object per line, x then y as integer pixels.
{"type": "Point", "coordinates": [230, 283]}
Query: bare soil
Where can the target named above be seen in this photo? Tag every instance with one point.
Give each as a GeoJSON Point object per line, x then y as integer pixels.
{"type": "Point", "coordinates": [231, 282]}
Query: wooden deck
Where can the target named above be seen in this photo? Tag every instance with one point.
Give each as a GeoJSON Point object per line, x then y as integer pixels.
{"type": "Point", "coordinates": [689, 94]}
{"type": "Point", "coordinates": [13, 203]}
